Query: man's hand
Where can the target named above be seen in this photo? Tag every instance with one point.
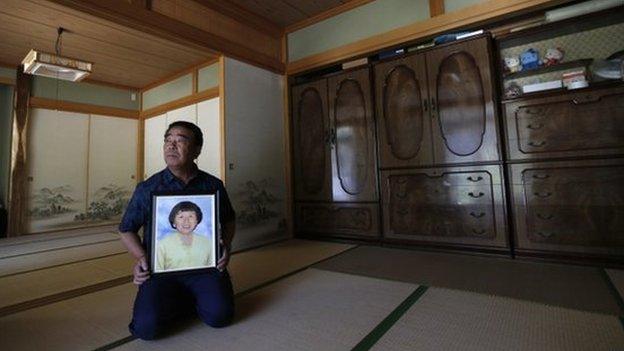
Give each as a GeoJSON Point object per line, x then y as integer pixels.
{"type": "Point", "coordinates": [141, 271]}
{"type": "Point", "coordinates": [225, 257]}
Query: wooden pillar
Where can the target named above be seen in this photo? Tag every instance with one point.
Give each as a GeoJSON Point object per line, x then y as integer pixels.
{"type": "Point", "coordinates": [17, 181]}
{"type": "Point", "coordinates": [436, 8]}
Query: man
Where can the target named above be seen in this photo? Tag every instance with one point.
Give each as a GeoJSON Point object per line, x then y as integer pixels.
{"type": "Point", "coordinates": [162, 300]}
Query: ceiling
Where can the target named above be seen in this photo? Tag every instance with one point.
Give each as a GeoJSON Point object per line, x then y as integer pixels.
{"type": "Point", "coordinates": [287, 12]}
{"type": "Point", "coordinates": [121, 55]}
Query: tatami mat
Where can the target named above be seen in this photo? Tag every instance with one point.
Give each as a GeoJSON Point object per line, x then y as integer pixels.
{"type": "Point", "coordinates": [312, 310]}
{"type": "Point", "coordinates": [26, 263]}
{"type": "Point", "coordinates": [55, 244]}
{"type": "Point", "coordinates": [444, 319]}
{"type": "Point", "coordinates": [99, 318]}
{"type": "Point", "coordinates": [41, 283]}
{"type": "Point", "coordinates": [575, 287]}
{"type": "Point", "coordinates": [61, 234]}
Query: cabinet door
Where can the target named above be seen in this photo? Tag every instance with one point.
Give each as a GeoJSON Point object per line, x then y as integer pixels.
{"type": "Point", "coordinates": [403, 122]}
{"type": "Point", "coordinates": [566, 125]}
{"type": "Point", "coordinates": [155, 128]}
{"type": "Point", "coordinates": [353, 137]}
{"type": "Point", "coordinates": [112, 168]}
{"type": "Point", "coordinates": [312, 159]}
{"type": "Point", "coordinates": [57, 169]}
{"type": "Point", "coordinates": [573, 207]}
{"type": "Point", "coordinates": [457, 205]}
{"type": "Point", "coordinates": [464, 118]}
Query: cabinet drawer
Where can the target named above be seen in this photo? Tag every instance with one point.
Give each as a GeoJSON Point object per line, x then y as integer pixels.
{"type": "Point", "coordinates": [570, 124]}
{"type": "Point", "coordinates": [571, 206]}
{"type": "Point", "coordinates": [349, 219]}
{"type": "Point", "coordinates": [445, 205]}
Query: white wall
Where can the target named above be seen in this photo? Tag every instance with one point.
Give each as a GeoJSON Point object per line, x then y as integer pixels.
{"type": "Point", "coordinates": [254, 112]}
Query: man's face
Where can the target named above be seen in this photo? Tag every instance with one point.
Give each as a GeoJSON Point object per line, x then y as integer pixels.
{"type": "Point", "coordinates": [185, 221]}
{"type": "Point", "coordinates": [179, 148]}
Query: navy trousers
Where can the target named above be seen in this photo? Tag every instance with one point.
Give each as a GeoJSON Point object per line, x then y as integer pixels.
{"type": "Point", "coordinates": [164, 300]}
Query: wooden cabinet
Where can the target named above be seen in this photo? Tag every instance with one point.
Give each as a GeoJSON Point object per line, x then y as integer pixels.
{"type": "Point", "coordinates": [573, 207]}
{"type": "Point", "coordinates": [438, 107]}
{"type": "Point", "coordinates": [342, 219]}
{"type": "Point", "coordinates": [455, 205]}
{"type": "Point", "coordinates": [334, 139]}
{"type": "Point", "coordinates": [568, 124]}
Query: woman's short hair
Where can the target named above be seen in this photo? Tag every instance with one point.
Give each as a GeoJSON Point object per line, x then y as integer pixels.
{"type": "Point", "coordinates": [183, 207]}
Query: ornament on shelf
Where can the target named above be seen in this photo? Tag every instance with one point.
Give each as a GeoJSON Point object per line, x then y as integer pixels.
{"type": "Point", "coordinates": [529, 59]}
{"type": "Point", "coordinates": [553, 56]}
{"type": "Point", "coordinates": [512, 64]}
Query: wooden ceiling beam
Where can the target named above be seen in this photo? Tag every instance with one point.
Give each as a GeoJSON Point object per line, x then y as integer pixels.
{"type": "Point", "coordinates": [132, 16]}
{"type": "Point", "coordinates": [239, 13]}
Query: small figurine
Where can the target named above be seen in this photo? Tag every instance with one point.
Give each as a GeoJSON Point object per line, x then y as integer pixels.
{"type": "Point", "coordinates": [512, 64]}
{"type": "Point", "coordinates": [529, 59]}
{"type": "Point", "coordinates": [553, 56]}
{"type": "Point", "coordinates": [513, 90]}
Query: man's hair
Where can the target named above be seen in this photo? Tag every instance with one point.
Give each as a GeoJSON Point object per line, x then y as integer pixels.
{"type": "Point", "coordinates": [198, 136]}
{"type": "Point", "coordinates": [184, 206]}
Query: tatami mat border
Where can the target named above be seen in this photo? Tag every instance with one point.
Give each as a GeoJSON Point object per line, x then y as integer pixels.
{"type": "Point", "coordinates": [64, 264]}
{"type": "Point", "coordinates": [615, 292]}
{"type": "Point", "coordinates": [60, 248]}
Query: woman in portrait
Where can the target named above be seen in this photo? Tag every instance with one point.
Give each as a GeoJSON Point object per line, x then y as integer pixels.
{"type": "Point", "coordinates": [183, 248]}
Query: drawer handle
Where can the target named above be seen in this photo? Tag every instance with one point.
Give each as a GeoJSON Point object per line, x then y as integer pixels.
{"type": "Point", "coordinates": [479, 232]}
{"type": "Point", "coordinates": [535, 127]}
{"type": "Point", "coordinates": [471, 194]}
{"type": "Point", "coordinates": [537, 111]}
{"type": "Point", "coordinates": [477, 215]}
{"type": "Point", "coordinates": [586, 100]}
{"type": "Point", "coordinates": [425, 105]}
{"type": "Point", "coordinates": [541, 176]}
{"type": "Point", "coordinates": [545, 235]}
{"type": "Point", "coordinates": [542, 195]}
{"type": "Point", "coordinates": [402, 212]}
{"type": "Point", "coordinates": [544, 217]}
{"type": "Point", "coordinates": [475, 179]}
{"type": "Point", "coordinates": [537, 143]}
{"type": "Point", "coordinates": [401, 195]}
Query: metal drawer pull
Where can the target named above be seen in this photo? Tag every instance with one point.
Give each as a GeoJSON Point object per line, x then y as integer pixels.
{"type": "Point", "coordinates": [537, 144]}
{"type": "Point", "coordinates": [535, 127]}
{"type": "Point", "coordinates": [541, 176]}
{"type": "Point", "coordinates": [545, 235]}
{"type": "Point", "coordinates": [537, 111]}
{"type": "Point", "coordinates": [425, 105]}
{"type": "Point", "coordinates": [477, 215]}
{"type": "Point", "coordinates": [544, 217]}
{"type": "Point", "coordinates": [433, 104]}
{"type": "Point", "coordinates": [542, 195]}
{"type": "Point", "coordinates": [586, 100]}
{"type": "Point", "coordinates": [471, 194]}
{"type": "Point", "coordinates": [479, 232]}
{"type": "Point", "coordinates": [401, 195]}
{"type": "Point", "coordinates": [475, 179]}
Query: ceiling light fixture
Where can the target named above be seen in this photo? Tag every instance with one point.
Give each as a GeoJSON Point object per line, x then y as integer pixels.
{"type": "Point", "coordinates": [56, 66]}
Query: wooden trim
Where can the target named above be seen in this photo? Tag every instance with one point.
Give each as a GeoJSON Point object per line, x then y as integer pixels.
{"type": "Point", "coordinates": [334, 11]}
{"type": "Point", "coordinates": [284, 47]}
{"type": "Point", "coordinates": [222, 117]}
{"type": "Point", "coordinates": [7, 81]}
{"type": "Point", "coordinates": [111, 85]}
{"type": "Point", "coordinates": [208, 63]}
{"type": "Point", "coordinates": [140, 166]}
{"type": "Point", "coordinates": [88, 159]}
{"type": "Point", "coordinates": [38, 102]}
{"type": "Point", "coordinates": [194, 83]}
{"type": "Point", "coordinates": [239, 14]}
{"type": "Point", "coordinates": [471, 15]}
{"type": "Point", "coordinates": [185, 101]}
{"type": "Point", "coordinates": [152, 22]}
{"type": "Point", "coordinates": [8, 65]}
{"type": "Point", "coordinates": [288, 160]}
{"type": "Point", "coordinates": [436, 8]}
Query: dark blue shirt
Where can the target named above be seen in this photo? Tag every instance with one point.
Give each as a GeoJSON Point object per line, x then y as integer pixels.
{"type": "Point", "coordinates": [139, 211]}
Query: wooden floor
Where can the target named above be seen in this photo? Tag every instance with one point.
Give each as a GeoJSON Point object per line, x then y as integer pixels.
{"type": "Point", "coordinates": [75, 294]}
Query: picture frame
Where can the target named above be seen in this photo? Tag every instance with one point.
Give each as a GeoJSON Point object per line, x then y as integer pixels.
{"type": "Point", "coordinates": [185, 232]}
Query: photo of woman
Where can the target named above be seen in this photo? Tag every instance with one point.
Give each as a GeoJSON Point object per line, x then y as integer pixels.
{"type": "Point", "coordinates": [185, 235]}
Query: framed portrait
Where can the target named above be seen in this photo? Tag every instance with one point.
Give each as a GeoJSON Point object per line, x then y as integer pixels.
{"type": "Point", "coordinates": [185, 232]}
